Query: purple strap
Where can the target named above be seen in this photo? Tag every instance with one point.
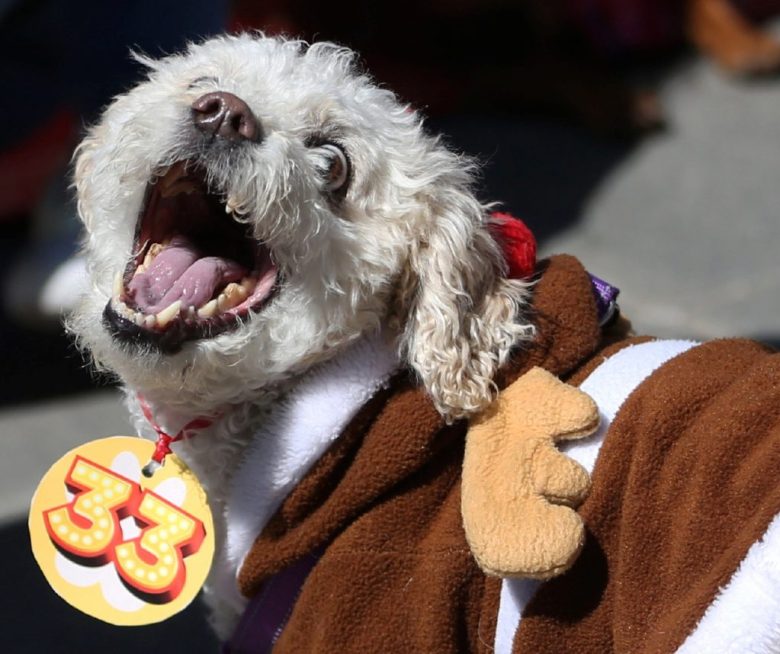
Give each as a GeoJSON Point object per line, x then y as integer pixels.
{"type": "Point", "coordinates": [606, 298]}
{"type": "Point", "coordinates": [268, 611]}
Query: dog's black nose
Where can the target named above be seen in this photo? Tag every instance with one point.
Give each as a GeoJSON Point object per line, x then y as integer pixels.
{"type": "Point", "coordinates": [227, 116]}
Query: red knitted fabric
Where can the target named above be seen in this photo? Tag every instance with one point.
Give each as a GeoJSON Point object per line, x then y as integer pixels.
{"type": "Point", "coordinates": [517, 242]}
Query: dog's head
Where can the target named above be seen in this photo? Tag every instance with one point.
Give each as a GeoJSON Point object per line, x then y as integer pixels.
{"type": "Point", "coordinates": [256, 204]}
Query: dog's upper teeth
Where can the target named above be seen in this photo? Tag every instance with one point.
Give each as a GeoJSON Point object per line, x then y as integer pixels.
{"type": "Point", "coordinates": [177, 187]}
{"type": "Point", "coordinates": [154, 250]}
{"type": "Point", "coordinates": [233, 206]}
{"type": "Point", "coordinates": [166, 184]}
{"type": "Point", "coordinates": [167, 191]}
{"type": "Point", "coordinates": [169, 313]}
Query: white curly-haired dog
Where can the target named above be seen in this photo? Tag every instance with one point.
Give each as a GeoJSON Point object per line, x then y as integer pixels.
{"type": "Point", "coordinates": [273, 243]}
{"type": "Point", "coordinates": [255, 206]}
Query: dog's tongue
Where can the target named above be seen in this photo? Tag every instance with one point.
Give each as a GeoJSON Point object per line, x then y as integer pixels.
{"type": "Point", "coordinates": [178, 273]}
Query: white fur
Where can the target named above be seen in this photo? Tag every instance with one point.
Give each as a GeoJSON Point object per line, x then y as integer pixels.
{"type": "Point", "coordinates": [407, 250]}
{"type": "Point", "coordinates": [295, 434]}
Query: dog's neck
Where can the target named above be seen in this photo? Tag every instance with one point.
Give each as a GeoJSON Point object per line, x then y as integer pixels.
{"type": "Point", "coordinates": [254, 453]}
{"type": "Point", "coordinates": [212, 452]}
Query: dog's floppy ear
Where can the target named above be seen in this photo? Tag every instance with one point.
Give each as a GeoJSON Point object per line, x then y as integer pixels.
{"type": "Point", "coordinates": [461, 314]}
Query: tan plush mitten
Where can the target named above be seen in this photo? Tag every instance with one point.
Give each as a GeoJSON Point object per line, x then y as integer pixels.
{"type": "Point", "coordinates": [518, 489]}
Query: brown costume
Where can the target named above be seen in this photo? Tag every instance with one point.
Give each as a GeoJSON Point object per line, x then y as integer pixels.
{"type": "Point", "coordinates": [684, 484]}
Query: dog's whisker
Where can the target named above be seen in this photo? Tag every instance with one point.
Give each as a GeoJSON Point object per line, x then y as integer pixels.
{"type": "Point", "coordinates": [139, 249]}
{"type": "Point", "coordinates": [118, 285]}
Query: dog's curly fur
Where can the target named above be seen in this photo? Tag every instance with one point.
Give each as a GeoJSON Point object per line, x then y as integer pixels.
{"type": "Point", "coordinates": [407, 249]}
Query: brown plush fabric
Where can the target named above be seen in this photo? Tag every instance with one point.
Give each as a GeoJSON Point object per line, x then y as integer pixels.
{"type": "Point", "coordinates": [397, 574]}
{"type": "Point", "coordinates": [685, 483]}
{"type": "Point", "coordinates": [566, 318]}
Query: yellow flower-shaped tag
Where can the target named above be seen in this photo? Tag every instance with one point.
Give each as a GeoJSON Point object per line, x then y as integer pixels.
{"type": "Point", "coordinates": [122, 547]}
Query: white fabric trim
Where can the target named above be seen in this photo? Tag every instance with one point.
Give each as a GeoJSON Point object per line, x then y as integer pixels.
{"type": "Point", "coordinates": [745, 616]}
{"type": "Point", "coordinates": [296, 434]}
{"type": "Point", "coordinates": [609, 385]}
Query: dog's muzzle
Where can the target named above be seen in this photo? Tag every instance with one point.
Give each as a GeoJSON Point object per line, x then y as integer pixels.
{"type": "Point", "coordinates": [196, 271]}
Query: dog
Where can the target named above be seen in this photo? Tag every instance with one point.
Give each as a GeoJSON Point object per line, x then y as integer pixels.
{"type": "Point", "coordinates": [330, 210]}
{"type": "Point", "coordinates": [275, 242]}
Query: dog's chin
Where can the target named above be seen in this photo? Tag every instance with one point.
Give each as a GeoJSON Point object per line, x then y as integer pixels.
{"type": "Point", "coordinates": [199, 376]}
{"type": "Point", "coordinates": [196, 271]}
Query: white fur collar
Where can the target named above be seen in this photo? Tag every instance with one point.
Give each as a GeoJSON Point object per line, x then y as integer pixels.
{"type": "Point", "coordinates": [295, 435]}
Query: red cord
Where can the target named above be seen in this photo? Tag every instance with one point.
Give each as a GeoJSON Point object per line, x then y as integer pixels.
{"type": "Point", "coordinates": [162, 447]}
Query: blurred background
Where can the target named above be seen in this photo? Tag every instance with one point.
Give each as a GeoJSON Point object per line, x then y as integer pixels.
{"type": "Point", "coordinates": [642, 136]}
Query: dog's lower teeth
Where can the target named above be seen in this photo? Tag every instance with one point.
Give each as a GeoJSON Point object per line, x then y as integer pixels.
{"type": "Point", "coordinates": [248, 284]}
{"type": "Point", "coordinates": [150, 322]}
{"type": "Point", "coordinates": [232, 296]}
{"type": "Point", "coordinates": [139, 319]}
{"type": "Point", "coordinates": [166, 315]}
{"type": "Point", "coordinates": [236, 290]}
{"type": "Point", "coordinates": [208, 309]}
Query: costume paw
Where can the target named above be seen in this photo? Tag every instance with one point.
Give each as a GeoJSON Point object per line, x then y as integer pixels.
{"type": "Point", "coordinates": [518, 489]}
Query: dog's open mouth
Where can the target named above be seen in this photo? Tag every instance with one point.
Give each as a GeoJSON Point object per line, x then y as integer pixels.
{"type": "Point", "coordinates": [196, 272]}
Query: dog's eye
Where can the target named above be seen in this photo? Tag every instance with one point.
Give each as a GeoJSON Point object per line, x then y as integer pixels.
{"type": "Point", "coordinates": [334, 165]}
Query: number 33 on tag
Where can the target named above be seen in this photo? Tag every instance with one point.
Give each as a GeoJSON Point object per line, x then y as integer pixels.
{"type": "Point", "coordinates": [121, 547]}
